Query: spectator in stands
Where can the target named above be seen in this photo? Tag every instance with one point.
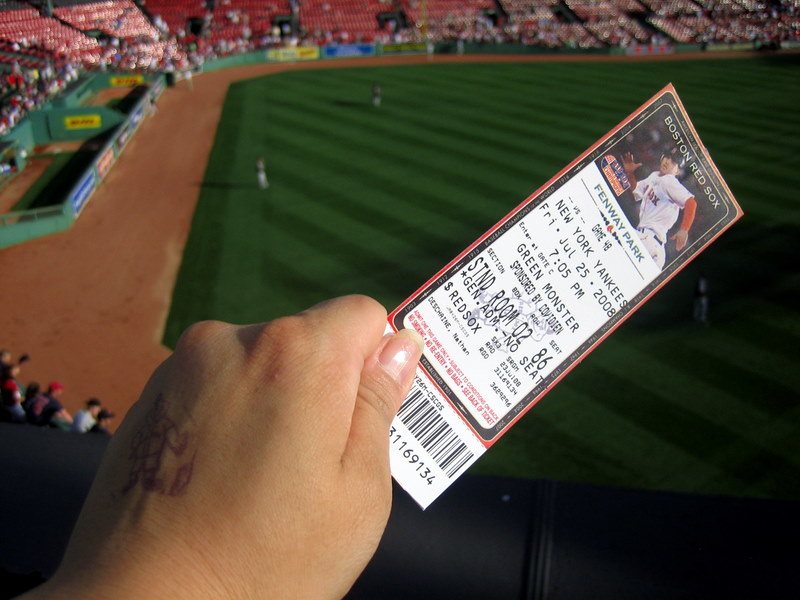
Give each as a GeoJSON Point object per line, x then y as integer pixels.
{"type": "Point", "coordinates": [46, 409]}
{"type": "Point", "coordinates": [103, 421]}
{"type": "Point", "coordinates": [86, 418]}
{"type": "Point", "coordinates": [187, 77]}
{"type": "Point", "coordinates": [5, 359]}
{"type": "Point", "coordinates": [26, 91]}
{"type": "Point", "coordinates": [308, 454]}
{"type": "Point", "coordinates": [11, 410]}
{"type": "Point", "coordinates": [34, 406]}
{"type": "Point", "coordinates": [32, 390]}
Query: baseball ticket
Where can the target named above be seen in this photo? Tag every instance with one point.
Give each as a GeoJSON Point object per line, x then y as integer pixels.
{"type": "Point", "coordinates": [512, 314]}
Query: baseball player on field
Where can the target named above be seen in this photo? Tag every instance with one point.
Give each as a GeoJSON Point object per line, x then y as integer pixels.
{"type": "Point", "coordinates": [661, 198]}
{"type": "Point", "coordinates": [261, 173]}
{"type": "Point", "coordinates": [376, 94]}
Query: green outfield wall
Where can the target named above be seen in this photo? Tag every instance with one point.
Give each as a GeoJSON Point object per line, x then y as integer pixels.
{"type": "Point", "coordinates": [18, 227]}
{"type": "Point", "coordinates": [73, 124]}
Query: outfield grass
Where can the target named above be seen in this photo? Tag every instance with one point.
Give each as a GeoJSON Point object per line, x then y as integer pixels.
{"type": "Point", "coordinates": [374, 201]}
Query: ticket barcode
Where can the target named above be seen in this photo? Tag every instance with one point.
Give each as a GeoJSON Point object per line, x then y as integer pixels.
{"type": "Point", "coordinates": [435, 435]}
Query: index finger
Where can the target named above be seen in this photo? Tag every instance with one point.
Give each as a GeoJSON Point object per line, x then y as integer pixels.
{"type": "Point", "coordinates": [357, 321]}
{"type": "Point", "coordinates": [340, 335]}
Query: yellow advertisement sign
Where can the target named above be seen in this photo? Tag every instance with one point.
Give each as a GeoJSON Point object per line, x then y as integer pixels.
{"type": "Point", "coordinates": [83, 122]}
{"type": "Point", "coordinates": [289, 54]}
{"type": "Point", "coordinates": [126, 80]}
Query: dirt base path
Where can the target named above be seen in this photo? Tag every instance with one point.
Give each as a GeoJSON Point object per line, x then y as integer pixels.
{"type": "Point", "coordinates": [90, 304]}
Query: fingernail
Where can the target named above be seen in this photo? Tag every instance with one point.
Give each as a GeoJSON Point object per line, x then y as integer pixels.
{"type": "Point", "coordinates": [401, 354]}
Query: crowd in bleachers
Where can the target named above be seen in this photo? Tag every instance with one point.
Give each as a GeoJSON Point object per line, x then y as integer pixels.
{"type": "Point", "coordinates": [33, 405]}
{"type": "Point", "coordinates": [24, 89]}
{"type": "Point", "coordinates": [622, 23]}
{"type": "Point", "coordinates": [727, 22]}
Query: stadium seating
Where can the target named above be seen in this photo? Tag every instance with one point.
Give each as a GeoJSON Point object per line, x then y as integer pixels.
{"type": "Point", "coordinates": [175, 14]}
{"type": "Point", "coordinates": [27, 58]}
{"type": "Point", "coordinates": [121, 19]}
{"type": "Point", "coordinates": [448, 12]}
{"type": "Point", "coordinates": [27, 27]}
{"type": "Point", "coordinates": [609, 23]}
{"type": "Point", "coordinates": [681, 29]}
{"type": "Point", "coordinates": [344, 21]}
{"type": "Point", "coordinates": [230, 20]}
{"type": "Point", "coordinates": [725, 21]}
{"type": "Point", "coordinates": [671, 8]}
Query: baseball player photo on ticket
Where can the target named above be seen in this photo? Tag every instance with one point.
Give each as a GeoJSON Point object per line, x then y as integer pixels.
{"type": "Point", "coordinates": [507, 318]}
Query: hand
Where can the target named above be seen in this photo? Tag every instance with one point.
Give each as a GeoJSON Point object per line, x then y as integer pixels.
{"type": "Point", "coordinates": [681, 236]}
{"type": "Point", "coordinates": [255, 464]}
{"type": "Point", "coordinates": [628, 163]}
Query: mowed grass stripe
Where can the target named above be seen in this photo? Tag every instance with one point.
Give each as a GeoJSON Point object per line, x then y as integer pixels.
{"type": "Point", "coordinates": [567, 451]}
{"type": "Point", "coordinates": [767, 335]}
{"type": "Point", "coordinates": [349, 247]}
{"type": "Point", "coordinates": [445, 183]}
{"type": "Point", "coordinates": [619, 450]}
{"type": "Point", "coordinates": [694, 434]}
{"type": "Point", "coordinates": [658, 461]}
{"type": "Point", "coordinates": [431, 191]}
{"type": "Point", "coordinates": [325, 231]}
{"type": "Point", "coordinates": [406, 150]}
{"type": "Point", "coordinates": [763, 394]}
{"type": "Point", "coordinates": [754, 360]}
{"type": "Point", "coordinates": [345, 125]}
{"type": "Point", "coordinates": [430, 142]}
{"type": "Point", "coordinates": [486, 115]}
{"type": "Point", "coordinates": [706, 399]}
{"type": "Point", "coordinates": [761, 203]}
{"type": "Point", "coordinates": [620, 438]}
{"type": "Point", "coordinates": [375, 207]}
{"type": "Point", "coordinates": [751, 270]}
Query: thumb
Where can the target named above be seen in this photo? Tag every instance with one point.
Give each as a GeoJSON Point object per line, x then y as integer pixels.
{"type": "Point", "coordinates": [385, 381]}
